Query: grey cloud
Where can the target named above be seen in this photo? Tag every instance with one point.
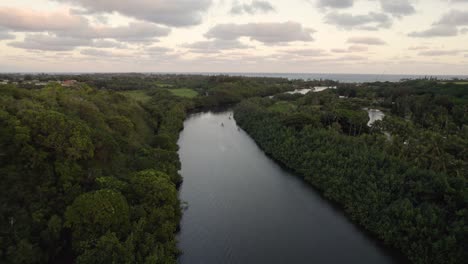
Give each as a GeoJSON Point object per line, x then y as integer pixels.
{"type": "Point", "coordinates": [355, 48]}
{"type": "Point", "coordinates": [447, 26]}
{"type": "Point", "coordinates": [397, 8]}
{"type": "Point", "coordinates": [252, 8]}
{"type": "Point", "coordinates": [103, 43]}
{"type": "Point", "coordinates": [136, 31]}
{"type": "Point", "coordinates": [49, 43]}
{"type": "Point", "coordinates": [66, 24]}
{"type": "Point", "coordinates": [103, 53]}
{"type": "Point", "coordinates": [464, 30]}
{"type": "Point", "coordinates": [32, 21]}
{"type": "Point", "coordinates": [440, 52]}
{"type": "Point", "coordinates": [214, 46]}
{"type": "Point", "coordinates": [454, 18]}
{"type": "Point", "coordinates": [5, 35]}
{"type": "Point", "coordinates": [436, 31]}
{"type": "Point", "coordinates": [96, 53]}
{"type": "Point", "coordinates": [307, 52]}
{"type": "Point", "coordinates": [157, 50]}
{"type": "Point", "coordinates": [351, 49]}
{"type": "Point", "coordinates": [371, 21]}
{"type": "Point", "coordinates": [269, 33]}
{"type": "Point", "coordinates": [335, 3]}
{"type": "Point", "coordinates": [366, 41]}
{"type": "Point", "coordinates": [352, 58]}
{"type": "Point", "coordinates": [176, 13]}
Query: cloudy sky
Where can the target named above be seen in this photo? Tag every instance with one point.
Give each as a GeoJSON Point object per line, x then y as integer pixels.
{"type": "Point", "coordinates": [307, 36]}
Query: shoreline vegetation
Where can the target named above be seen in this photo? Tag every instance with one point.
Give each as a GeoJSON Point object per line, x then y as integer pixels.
{"type": "Point", "coordinates": [89, 162]}
{"type": "Point", "coordinates": [409, 191]}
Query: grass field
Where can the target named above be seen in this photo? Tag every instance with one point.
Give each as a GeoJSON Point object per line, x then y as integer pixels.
{"type": "Point", "coordinates": [183, 92]}
{"type": "Point", "coordinates": [282, 107]}
{"type": "Point", "coordinates": [138, 95]}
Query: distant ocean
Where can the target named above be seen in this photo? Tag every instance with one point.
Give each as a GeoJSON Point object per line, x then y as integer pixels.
{"type": "Point", "coordinates": [354, 78]}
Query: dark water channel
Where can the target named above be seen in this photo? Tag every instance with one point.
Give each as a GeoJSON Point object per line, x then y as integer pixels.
{"type": "Point", "coordinates": [244, 208]}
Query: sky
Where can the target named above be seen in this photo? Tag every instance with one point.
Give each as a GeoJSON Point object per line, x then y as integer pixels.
{"type": "Point", "coordinates": [428, 37]}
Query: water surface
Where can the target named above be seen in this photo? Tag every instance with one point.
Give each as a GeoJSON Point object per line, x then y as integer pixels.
{"type": "Point", "coordinates": [244, 208]}
{"type": "Point", "coordinates": [374, 115]}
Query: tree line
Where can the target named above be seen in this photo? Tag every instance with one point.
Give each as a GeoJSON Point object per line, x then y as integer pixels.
{"type": "Point", "coordinates": [408, 186]}
{"type": "Point", "coordinates": [88, 176]}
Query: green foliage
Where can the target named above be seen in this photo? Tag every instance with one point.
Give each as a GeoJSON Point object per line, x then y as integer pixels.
{"type": "Point", "coordinates": [108, 249]}
{"type": "Point", "coordinates": [283, 107]}
{"type": "Point", "coordinates": [138, 95]}
{"type": "Point", "coordinates": [93, 214]}
{"type": "Point", "coordinates": [67, 159]}
{"type": "Point", "coordinates": [183, 92]}
{"type": "Point", "coordinates": [409, 188]}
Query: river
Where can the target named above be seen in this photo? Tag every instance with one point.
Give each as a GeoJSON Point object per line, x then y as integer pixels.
{"type": "Point", "coordinates": [244, 208]}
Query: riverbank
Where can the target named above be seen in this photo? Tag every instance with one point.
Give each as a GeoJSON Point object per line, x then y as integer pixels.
{"type": "Point", "coordinates": [374, 189]}
{"type": "Point", "coordinates": [245, 208]}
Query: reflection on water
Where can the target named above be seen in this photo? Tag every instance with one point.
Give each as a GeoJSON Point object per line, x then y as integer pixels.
{"type": "Point", "coordinates": [244, 208]}
{"type": "Point", "coordinates": [307, 90]}
{"type": "Point", "coordinates": [374, 115]}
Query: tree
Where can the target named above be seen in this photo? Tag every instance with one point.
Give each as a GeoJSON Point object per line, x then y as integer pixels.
{"type": "Point", "coordinates": [95, 213]}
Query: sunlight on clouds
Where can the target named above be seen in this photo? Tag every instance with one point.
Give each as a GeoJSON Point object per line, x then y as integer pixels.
{"type": "Point", "coordinates": [355, 36]}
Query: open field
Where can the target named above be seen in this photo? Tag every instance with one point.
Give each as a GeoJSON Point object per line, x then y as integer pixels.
{"type": "Point", "coordinates": [183, 92]}
{"type": "Point", "coordinates": [138, 95]}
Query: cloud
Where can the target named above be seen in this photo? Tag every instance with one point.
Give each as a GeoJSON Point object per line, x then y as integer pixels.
{"type": "Point", "coordinates": [351, 49]}
{"type": "Point", "coordinates": [214, 46]}
{"type": "Point", "coordinates": [269, 33]}
{"type": "Point", "coordinates": [352, 58]}
{"type": "Point", "coordinates": [454, 18]}
{"type": "Point", "coordinates": [436, 31]}
{"type": "Point", "coordinates": [397, 8]}
{"type": "Point", "coordinates": [64, 23]}
{"type": "Point", "coordinates": [96, 52]}
{"type": "Point", "coordinates": [366, 41]}
{"type": "Point", "coordinates": [447, 26]}
{"type": "Point", "coordinates": [28, 20]}
{"type": "Point", "coordinates": [104, 43]}
{"type": "Point", "coordinates": [440, 52]}
{"type": "Point", "coordinates": [306, 52]}
{"type": "Point", "coordinates": [371, 21]}
{"type": "Point", "coordinates": [133, 32]}
{"type": "Point", "coordinates": [157, 50]}
{"type": "Point", "coordinates": [48, 42]}
{"type": "Point", "coordinates": [177, 13]}
{"type": "Point", "coordinates": [5, 35]}
{"type": "Point", "coordinates": [335, 3]}
{"type": "Point", "coordinates": [158, 53]}
{"type": "Point", "coordinates": [252, 8]}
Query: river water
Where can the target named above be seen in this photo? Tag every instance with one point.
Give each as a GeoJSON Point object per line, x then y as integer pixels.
{"type": "Point", "coordinates": [244, 208]}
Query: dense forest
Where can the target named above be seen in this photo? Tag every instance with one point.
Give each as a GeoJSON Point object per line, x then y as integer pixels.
{"type": "Point", "coordinates": [90, 171]}
{"type": "Point", "coordinates": [89, 167]}
{"type": "Point", "coordinates": [88, 174]}
{"type": "Point", "coordinates": [403, 178]}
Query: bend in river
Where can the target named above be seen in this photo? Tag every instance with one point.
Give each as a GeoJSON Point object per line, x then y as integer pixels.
{"type": "Point", "coordinates": [244, 208]}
